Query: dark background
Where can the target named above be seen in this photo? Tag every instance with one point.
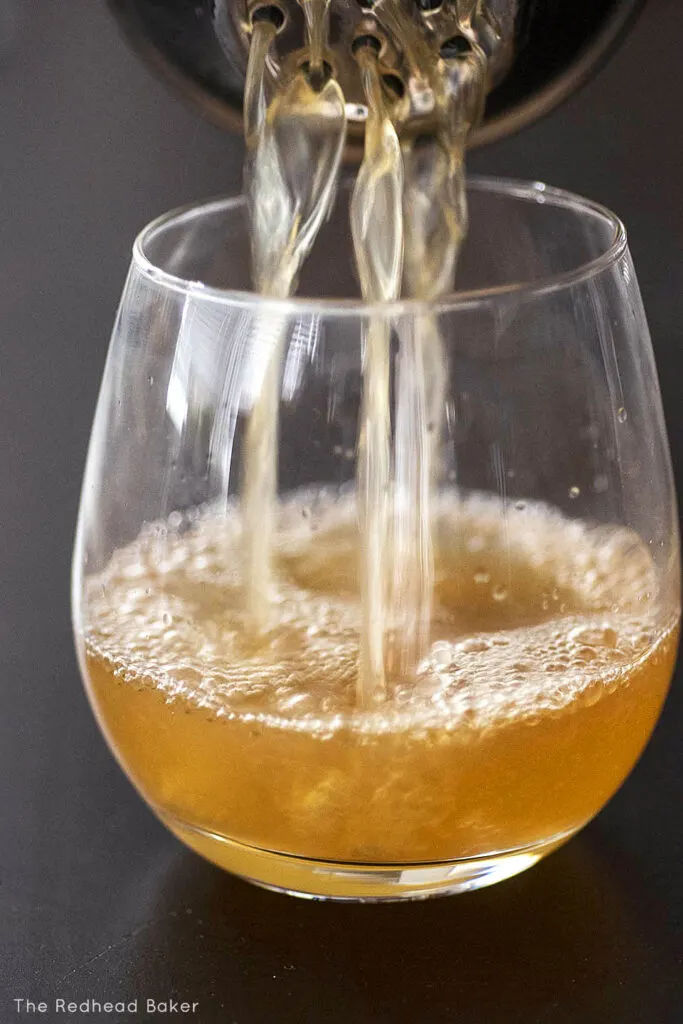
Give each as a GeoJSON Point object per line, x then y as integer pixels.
{"type": "Point", "coordinates": [96, 899]}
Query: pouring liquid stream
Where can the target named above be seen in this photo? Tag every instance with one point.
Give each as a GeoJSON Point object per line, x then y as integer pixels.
{"type": "Point", "coordinates": [377, 229]}
{"type": "Point", "coordinates": [404, 200]}
{"type": "Point", "coordinates": [436, 220]}
{"type": "Point", "coordinates": [294, 153]}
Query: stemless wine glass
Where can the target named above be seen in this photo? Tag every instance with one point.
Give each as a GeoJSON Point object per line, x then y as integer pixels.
{"type": "Point", "coordinates": [555, 573]}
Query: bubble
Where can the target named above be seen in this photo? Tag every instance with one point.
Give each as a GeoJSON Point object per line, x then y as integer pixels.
{"type": "Point", "coordinates": [595, 636]}
{"type": "Point", "coordinates": [442, 655]}
{"type": "Point", "coordinates": [499, 593]}
{"type": "Point", "coordinates": [482, 577]}
{"type": "Point", "coordinates": [622, 415]}
{"type": "Point", "coordinates": [574, 492]}
{"type": "Point", "coordinates": [521, 667]}
{"type": "Point", "coordinates": [473, 645]}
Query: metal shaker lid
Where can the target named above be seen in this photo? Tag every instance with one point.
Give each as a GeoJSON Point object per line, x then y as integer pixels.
{"type": "Point", "coordinates": [550, 48]}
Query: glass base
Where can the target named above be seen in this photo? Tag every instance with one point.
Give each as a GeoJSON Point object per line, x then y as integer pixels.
{"type": "Point", "coordinates": [361, 883]}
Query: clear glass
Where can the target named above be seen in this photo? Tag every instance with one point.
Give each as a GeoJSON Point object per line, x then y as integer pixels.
{"type": "Point", "coordinates": [556, 575]}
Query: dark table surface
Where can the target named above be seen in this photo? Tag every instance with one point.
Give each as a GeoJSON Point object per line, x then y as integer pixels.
{"type": "Point", "coordinates": [96, 899]}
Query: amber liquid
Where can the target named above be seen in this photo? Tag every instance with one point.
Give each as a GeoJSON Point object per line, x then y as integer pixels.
{"type": "Point", "coordinates": [549, 659]}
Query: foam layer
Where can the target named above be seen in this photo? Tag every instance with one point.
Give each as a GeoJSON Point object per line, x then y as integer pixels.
{"type": "Point", "coordinates": [533, 612]}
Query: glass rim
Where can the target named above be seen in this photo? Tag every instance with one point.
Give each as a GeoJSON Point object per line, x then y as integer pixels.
{"type": "Point", "coordinates": [528, 191]}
